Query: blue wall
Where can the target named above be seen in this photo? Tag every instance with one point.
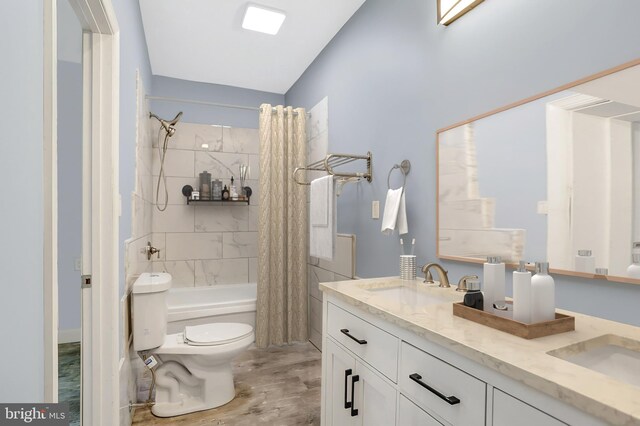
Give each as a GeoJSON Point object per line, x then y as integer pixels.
{"type": "Point", "coordinates": [21, 214]}
{"type": "Point", "coordinates": [207, 114]}
{"type": "Point", "coordinates": [69, 191]}
{"type": "Point", "coordinates": [393, 77]}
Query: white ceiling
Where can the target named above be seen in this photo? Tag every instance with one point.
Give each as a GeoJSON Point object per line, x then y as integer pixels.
{"type": "Point", "coordinates": [203, 40]}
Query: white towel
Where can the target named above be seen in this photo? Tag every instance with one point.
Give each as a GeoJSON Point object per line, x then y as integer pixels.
{"type": "Point", "coordinates": [322, 237]}
{"type": "Point", "coordinates": [395, 213]}
{"type": "Point", "coordinates": [319, 198]}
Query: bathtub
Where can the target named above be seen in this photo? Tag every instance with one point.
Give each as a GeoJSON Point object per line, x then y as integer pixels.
{"type": "Point", "coordinates": [218, 303]}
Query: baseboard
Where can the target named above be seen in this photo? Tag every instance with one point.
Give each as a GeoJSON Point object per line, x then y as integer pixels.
{"type": "Point", "coordinates": [70, 335]}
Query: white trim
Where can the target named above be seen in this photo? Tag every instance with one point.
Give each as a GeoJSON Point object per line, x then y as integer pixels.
{"type": "Point", "coordinates": [70, 335]}
{"type": "Point", "coordinates": [50, 204]}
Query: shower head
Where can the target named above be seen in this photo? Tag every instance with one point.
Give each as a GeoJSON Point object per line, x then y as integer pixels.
{"type": "Point", "coordinates": [168, 125]}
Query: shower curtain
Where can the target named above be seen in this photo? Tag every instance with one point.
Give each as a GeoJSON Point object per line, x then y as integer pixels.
{"type": "Point", "coordinates": [282, 229]}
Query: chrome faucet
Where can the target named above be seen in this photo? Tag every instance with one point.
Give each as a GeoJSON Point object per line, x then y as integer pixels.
{"type": "Point", "coordinates": [150, 250]}
{"type": "Point", "coordinates": [442, 275]}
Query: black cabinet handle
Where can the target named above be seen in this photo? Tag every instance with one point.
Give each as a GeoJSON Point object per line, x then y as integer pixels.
{"type": "Point", "coordinates": [346, 331]}
{"type": "Point", "coordinates": [354, 410]}
{"type": "Point", "coordinates": [347, 373]}
{"type": "Point", "coordinates": [452, 400]}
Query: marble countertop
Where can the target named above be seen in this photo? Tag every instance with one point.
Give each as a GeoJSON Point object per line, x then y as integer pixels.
{"type": "Point", "coordinates": [526, 361]}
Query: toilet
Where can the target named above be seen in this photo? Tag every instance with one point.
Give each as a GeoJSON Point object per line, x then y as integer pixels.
{"type": "Point", "coordinates": [194, 371]}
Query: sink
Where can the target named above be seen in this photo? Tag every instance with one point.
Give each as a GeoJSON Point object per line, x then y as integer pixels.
{"type": "Point", "coordinates": [615, 356]}
{"type": "Point", "coordinates": [410, 296]}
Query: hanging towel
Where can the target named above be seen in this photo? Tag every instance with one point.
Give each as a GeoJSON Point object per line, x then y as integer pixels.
{"type": "Point", "coordinates": [395, 214]}
{"type": "Point", "coordinates": [322, 223]}
{"type": "Point", "coordinates": [319, 197]}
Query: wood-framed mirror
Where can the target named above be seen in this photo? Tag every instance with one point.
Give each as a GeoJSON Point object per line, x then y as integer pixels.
{"type": "Point", "coordinates": [553, 177]}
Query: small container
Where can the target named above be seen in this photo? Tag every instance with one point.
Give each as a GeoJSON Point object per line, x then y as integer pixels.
{"type": "Point", "coordinates": [216, 190]}
{"type": "Point", "coordinates": [494, 282]}
{"type": "Point", "coordinates": [543, 294]}
{"type": "Point", "coordinates": [205, 185]}
{"type": "Point", "coordinates": [585, 262]}
{"type": "Point", "coordinates": [473, 298]}
{"type": "Point", "coordinates": [233, 192]}
{"type": "Point", "coordinates": [408, 267]}
{"type": "Point", "coordinates": [225, 194]}
{"type": "Point", "coordinates": [195, 194]}
{"type": "Point", "coordinates": [633, 271]}
{"type": "Point", "coordinates": [522, 294]}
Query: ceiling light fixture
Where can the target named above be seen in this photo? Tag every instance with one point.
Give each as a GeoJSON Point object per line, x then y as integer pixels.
{"type": "Point", "coordinates": [450, 10]}
{"type": "Point", "coordinates": [262, 19]}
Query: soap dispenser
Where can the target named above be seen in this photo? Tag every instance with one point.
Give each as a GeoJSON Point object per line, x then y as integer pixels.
{"type": "Point", "coordinates": [633, 271]}
{"type": "Point", "coordinates": [522, 294]}
{"type": "Point", "coordinates": [543, 294]}
{"type": "Point", "coordinates": [493, 282]}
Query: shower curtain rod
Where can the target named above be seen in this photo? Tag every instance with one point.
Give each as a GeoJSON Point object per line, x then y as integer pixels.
{"type": "Point", "coordinates": [214, 104]}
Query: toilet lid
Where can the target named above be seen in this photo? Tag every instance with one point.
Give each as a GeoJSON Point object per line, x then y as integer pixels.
{"type": "Point", "coordinates": [216, 333]}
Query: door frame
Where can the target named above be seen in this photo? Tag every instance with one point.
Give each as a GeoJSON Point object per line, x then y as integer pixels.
{"type": "Point", "coordinates": [101, 88]}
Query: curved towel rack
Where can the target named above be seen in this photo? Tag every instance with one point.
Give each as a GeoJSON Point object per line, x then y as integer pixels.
{"type": "Point", "coordinates": [331, 161]}
{"type": "Point", "coordinates": [405, 168]}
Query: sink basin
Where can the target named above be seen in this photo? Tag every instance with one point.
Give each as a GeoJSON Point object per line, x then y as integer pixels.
{"type": "Point", "coordinates": [615, 356]}
{"type": "Point", "coordinates": [410, 296]}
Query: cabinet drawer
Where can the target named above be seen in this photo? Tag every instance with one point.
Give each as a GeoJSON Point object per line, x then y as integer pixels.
{"type": "Point", "coordinates": [375, 346]}
{"type": "Point", "coordinates": [439, 388]}
{"type": "Point", "coordinates": [409, 414]}
{"type": "Point", "coordinates": [508, 411]}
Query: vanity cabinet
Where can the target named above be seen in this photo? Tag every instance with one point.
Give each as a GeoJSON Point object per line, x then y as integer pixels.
{"type": "Point", "coordinates": [375, 372]}
{"type": "Point", "coordinates": [356, 395]}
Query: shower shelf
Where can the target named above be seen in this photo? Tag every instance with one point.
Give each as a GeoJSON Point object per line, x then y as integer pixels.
{"type": "Point", "coordinates": [213, 202]}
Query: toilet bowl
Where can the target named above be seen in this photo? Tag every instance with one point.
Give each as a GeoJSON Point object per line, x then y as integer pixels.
{"type": "Point", "coordinates": [194, 371]}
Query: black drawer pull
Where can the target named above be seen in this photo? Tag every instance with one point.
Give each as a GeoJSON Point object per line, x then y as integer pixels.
{"type": "Point", "coordinates": [452, 400]}
{"type": "Point", "coordinates": [354, 410]}
{"type": "Point", "coordinates": [347, 373]}
{"type": "Point", "coordinates": [346, 331]}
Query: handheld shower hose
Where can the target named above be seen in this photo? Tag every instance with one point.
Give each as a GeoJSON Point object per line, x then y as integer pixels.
{"type": "Point", "coordinates": [170, 130]}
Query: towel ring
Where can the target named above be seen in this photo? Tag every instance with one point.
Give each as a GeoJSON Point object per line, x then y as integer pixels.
{"type": "Point", "coordinates": [405, 168]}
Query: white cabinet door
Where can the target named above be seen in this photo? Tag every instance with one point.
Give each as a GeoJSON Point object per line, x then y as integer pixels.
{"type": "Point", "coordinates": [409, 414]}
{"type": "Point", "coordinates": [337, 386]}
{"type": "Point", "coordinates": [375, 399]}
{"type": "Point", "coordinates": [509, 411]}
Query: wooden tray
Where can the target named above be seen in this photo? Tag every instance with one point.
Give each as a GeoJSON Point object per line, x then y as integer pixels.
{"type": "Point", "coordinates": [561, 324]}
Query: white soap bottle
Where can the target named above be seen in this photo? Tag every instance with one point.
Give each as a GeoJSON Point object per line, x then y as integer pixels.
{"type": "Point", "coordinates": [633, 271]}
{"type": "Point", "coordinates": [543, 294]}
{"type": "Point", "coordinates": [522, 294]}
{"type": "Point", "coordinates": [585, 262]}
{"type": "Point", "coordinates": [493, 282]}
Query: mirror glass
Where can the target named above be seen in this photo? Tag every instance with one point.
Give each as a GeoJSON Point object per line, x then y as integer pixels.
{"type": "Point", "coordinates": [555, 178]}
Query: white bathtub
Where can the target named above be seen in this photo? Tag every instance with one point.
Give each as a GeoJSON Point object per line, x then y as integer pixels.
{"type": "Point", "coordinates": [218, 303]}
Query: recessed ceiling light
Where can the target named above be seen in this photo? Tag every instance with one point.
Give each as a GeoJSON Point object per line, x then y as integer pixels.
{"type": "Point", "coordinates": [264, 20]}
{"type": "Point", "coordinates": [450, 10]}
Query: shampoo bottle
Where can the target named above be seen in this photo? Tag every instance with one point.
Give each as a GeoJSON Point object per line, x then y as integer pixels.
{"type": "Point", "coordinates": [543, 294]}
{"type": "Point", "coordinates": [633, 271]}
{"type": "Point", "coordinates": [522, 294]}
{"type": "Point", "coordinates": [493, 282]}
{"type": "Point", "coordinates": [585, 262]}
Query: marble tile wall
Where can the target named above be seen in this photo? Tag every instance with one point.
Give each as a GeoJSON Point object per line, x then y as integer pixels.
{"type": "Point", "coordinates": [343, 267]}
{"type": "Point", "coordinates": [203, 245]}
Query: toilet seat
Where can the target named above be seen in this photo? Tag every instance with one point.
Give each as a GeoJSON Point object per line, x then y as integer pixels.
{"type": "Point", "coordinates": [216, 333]}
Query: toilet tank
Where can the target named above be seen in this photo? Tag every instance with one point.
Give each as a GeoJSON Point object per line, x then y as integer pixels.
{"type": "Point", "coordinates": [149, 310]}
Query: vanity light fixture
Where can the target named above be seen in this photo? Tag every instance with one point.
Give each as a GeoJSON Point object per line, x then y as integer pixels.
{"type": "Point", "coordinates": [262, 19]}
{"type": "Point", "coordinates": [450, 10]}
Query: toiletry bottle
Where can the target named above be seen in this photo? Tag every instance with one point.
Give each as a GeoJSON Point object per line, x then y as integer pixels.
{"type": "Point", "coordinates": [493, 282]}
{"type": "Point", "coordinates": [585, 262]}
{"type": "Point", "coordinates": [522, 294]}
{"type": "Point", "coordinates": [205, 185]}
{"type": "Point", "coordinates": [543, 294]}
{"type": "Point", "coordinates": [473, 298]}
{"type": "Point", "coordinates": [633, 271]}
{"type": "Point", "coordinates": [233, 192]}
{"type": "Point", "coordinates": [225, 193]}
{"type": "Point", "coordinates": [216, 189]}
